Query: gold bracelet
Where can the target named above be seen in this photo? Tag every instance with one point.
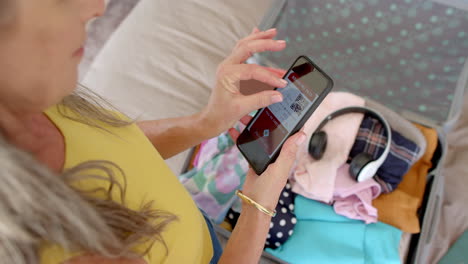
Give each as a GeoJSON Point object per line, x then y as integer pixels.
{"type": "Point", "coordinates": [254, 203]}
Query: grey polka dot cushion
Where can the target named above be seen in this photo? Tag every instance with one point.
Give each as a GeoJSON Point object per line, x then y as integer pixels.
{"type": "Point", "coordinates": [407, 54]}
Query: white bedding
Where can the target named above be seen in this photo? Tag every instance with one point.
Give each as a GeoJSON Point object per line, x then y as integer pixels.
{"type": "Point", "coordinates": [161, 61]}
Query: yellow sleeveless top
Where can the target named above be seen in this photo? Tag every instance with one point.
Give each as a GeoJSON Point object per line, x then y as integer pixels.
{"type": "Point", "coordinates": [148, 178]}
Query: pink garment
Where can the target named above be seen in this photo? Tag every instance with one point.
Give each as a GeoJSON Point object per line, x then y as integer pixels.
{"type": "Point", "coordinates": [316, 179]}
{"type": "Point", "coordinates": [354, 199]}
{"type": "Point", "coordinates": [196, 160]}
{"type": "Point", "coordinates": [209, 149]}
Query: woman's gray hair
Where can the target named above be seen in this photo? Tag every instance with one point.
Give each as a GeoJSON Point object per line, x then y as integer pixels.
{"type": "Point", "coordinates": [38, 206]}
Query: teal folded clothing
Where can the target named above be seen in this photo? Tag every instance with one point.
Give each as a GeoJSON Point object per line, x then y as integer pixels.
{"type": "Point", "coordinates": [322, 236]}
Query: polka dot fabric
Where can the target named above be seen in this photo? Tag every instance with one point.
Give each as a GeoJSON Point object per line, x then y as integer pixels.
{"type": "Point", "coordinates": [282, 225]}
{"type": "Point", "coordinates": [407, 54]}
{"type": "Point", "coordinates": [232, 217]}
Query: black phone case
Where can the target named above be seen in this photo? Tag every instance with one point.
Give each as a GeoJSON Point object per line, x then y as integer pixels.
{"type": "Point", "coordinates": [301, 123]}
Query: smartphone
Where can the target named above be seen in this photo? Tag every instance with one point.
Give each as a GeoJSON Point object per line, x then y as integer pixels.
{"type": "Point", "coordinates": [261, 141]}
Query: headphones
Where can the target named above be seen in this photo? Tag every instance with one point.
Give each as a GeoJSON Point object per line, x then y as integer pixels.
{"type": "Point", "coordinates": [363, 166]}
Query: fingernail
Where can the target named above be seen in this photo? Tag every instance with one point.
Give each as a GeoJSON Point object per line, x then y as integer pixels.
{"type": "Point", "coordinates": [276, 98]}
{"type": "Point", "coordinates": [284, 82]}
{"type": "Point", "coordinates": [271, 30]}
{"type": "Point", "coordinates": [281, 41]}
{"type": "Point", "coordinates": [300, 139]}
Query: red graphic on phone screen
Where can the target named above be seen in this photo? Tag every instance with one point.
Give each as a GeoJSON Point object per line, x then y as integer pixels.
{"type": "Point", "coordinates": [268, 130]}
{"type": "Point", "coordinates": [293, 77]}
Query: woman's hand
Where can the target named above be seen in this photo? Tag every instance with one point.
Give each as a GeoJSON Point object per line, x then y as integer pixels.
{"type": "Point", "coordinates": [252, 226]}
{"type": "Point", "coordinates": [266, 188]}
{"type": "Point", "coordinates": [227, 105]}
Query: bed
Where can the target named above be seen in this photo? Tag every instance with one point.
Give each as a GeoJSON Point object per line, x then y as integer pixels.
{"type": "Point", "coordinates": [161, 62]}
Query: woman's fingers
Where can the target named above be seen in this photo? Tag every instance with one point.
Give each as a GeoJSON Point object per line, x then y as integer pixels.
{"type": "Point", "coordinates": [235, 73]}
{"type": "Point", "coordinates": [287, 156]}
{"type": "Point", "coordinates": [268, 34]}
{"type": "Point", "coordinates": [234, 134]}
{"type": "Point", "coordinates": [279, 72]}
{"type": "Point", "coordinates": [245, 49]}
{"type": "Point", "coordinates": [254, 30]}
{"type": "Point", "coordinates": [260, 73]}
{"type": "Point", "coordinates": [259, 100]}
{"type": "Point", "coordinates": [246, 119]}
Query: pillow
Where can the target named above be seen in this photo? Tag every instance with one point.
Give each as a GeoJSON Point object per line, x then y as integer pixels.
{"type": "Point", "coordinates": [161, 62]}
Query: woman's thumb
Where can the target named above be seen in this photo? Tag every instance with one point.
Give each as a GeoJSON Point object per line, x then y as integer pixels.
{"type": "Point", "coordinates": [286, 158]}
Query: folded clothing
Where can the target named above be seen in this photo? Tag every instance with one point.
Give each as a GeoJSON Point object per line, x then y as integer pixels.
{"type": "Point", "coordinates": [220, 170]}
{"type": "Point", "coordinates": [403, 153]}
{"type": "Point", "coordinates": [322, 236]}
{"type": "Point", "coordinates": [282, 225]}
{"type": "Point", "coordinates": [400, 124]}
{"type": "Point", "coordinates": [399, 208]}
{"type": "Point", "coordinates": [316, 179]}
{"type": "Point", "coordinates": [354, 199]}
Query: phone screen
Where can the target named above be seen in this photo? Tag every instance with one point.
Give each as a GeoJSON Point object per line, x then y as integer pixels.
{"type": "Point", "coordinates": [272, 125]}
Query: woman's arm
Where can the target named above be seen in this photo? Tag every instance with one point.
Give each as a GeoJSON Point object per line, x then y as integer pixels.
{"type": "Point", "coordinates": [248, 237]}
{"type": "Point", "coordinates": [174, 135]}
{"type": "Point", "coordinates": [226, 104]}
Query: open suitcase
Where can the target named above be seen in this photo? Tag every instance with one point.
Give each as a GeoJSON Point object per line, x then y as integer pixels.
{"type": "Point", "coordinates": [409, 55]}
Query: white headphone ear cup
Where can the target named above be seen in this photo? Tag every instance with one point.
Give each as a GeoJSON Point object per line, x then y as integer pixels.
{"type": "Point", "coordinates": [368, 172]}
{"type": "Point", "coordinates": [358, 164]}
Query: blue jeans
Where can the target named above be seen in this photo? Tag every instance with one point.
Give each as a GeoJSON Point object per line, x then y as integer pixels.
{"type": "Point", "coordinates": [217, 249]}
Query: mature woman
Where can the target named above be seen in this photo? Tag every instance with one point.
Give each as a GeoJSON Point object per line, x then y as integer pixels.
{"type": "Point", "coordinates": [81, 184]}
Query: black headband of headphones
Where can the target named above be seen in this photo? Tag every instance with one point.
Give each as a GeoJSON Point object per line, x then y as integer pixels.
{"type": "Point", "coordinates": [354, 109]}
